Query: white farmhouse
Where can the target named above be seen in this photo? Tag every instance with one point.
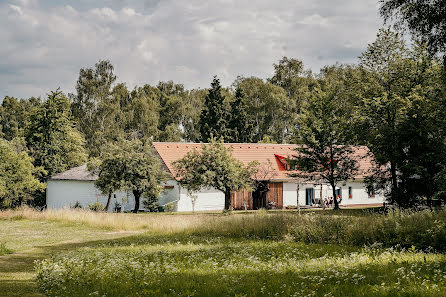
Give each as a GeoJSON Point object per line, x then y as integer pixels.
{"type": "Point", "coordinates": [76, 186]}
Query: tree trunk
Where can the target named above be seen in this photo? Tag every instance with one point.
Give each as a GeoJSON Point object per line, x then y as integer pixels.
{"type": "Point", "coordinates": [335, 200]}
{"type": "Point", "coordinates": [394, 182]}
{"type": "Point", "coordinates": [107, 206]}
{"type": "Point", "coordinates": [227, 199]}
{"type": "Point", "coordinates": [137, 195]}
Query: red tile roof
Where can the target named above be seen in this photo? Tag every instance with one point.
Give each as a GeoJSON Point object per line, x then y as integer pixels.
{"type": "Point", "coordinates": [247, 152]}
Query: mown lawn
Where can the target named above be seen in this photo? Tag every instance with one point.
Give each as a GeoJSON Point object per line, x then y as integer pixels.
{"type": "Point", "coordinates": [243, 257]}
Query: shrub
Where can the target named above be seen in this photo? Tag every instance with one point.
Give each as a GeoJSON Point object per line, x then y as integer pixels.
{"type": "Point", "coordinates": [76, 205]}
{"type": "Point", "coordinates": [3, 249]}
{"type": "Point", "coordinates": [97, 206]}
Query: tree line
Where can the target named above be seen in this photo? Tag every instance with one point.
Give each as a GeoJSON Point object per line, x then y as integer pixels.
{"type": "Point", "coordinates": [392, 100]}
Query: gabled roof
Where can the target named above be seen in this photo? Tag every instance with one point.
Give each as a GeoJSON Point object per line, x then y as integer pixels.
{"type": "Point", "coordinates": [79, 173]}
{"type": "Point", "coordinates": [169, 152]}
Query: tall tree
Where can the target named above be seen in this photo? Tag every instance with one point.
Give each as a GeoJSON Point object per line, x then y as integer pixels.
{"type": "Point", "coordinates": [214, 117]}
{"type": "Point", "coordinates": [323, 153]}
{"type": "Point", "coordinates": [53, 141]}
{"type": "Point", "coordinates": [143, 113]}
{"type": "Point", "coordinates": [402, 115]}
{"type": "Point", "coordinates": [241, 125]}
{"type": "Point", "coordinates": [213, 167]}
{"type": "Point", "coordinates": [132, 166]}
{"type": "Point", "coordinates": [173, 110]}
{"type": "Point", "coordinates": [14, 116]}
{"type": "Point", "coordinates": [90, 104]}
{"type": "Point", "coordinates": [268, 106]}
{"type": "Point", "coordinates": [386, 59]}
{"type": "Point", "coordinates": [424, 19]}
{"type": "Point", "coordinates": [18, 176]}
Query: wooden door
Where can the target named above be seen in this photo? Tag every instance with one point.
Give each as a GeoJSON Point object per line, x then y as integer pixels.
{"type": "Point", "coordinates": [274, 197]}
{"type": "Point", "coordinates": [241, 199]}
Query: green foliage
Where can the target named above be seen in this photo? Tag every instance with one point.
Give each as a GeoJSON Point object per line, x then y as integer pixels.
{"type": "Point", "coordinates": [3, 249]}
{"type": "Point", "coordinates": [241, 125]}
{"type": "Point", "coordinates": [269, 107]}
{"type": "Point", "coordinates": [132, 166]}
{"type": "Point", "coordinates": [290, 75]}
{"type": "Point", "coordinates": [92, 104]}
{"type": "Point", "coordinates": [18, 176]}
{"type": "Point", "coordinates": [14, 116]}
{"type": "Point", "coordinates": [213, 166]}
{"type": "Point", "coordinates": [53, 141]}
{"type": "Point", "coordinates": [323, 154]}
{"type": "Point", "coordinates": [214, 119]}
{"type": "Point", "coordinates": [404, 117]}
{"type": "Point", "coordinates": [97, 206]}
{"type": "Point", "coordinates": [424, 19]}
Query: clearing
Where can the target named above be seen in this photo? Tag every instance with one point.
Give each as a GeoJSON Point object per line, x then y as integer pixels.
{"type": "Point", "coordinates": [83, 253]}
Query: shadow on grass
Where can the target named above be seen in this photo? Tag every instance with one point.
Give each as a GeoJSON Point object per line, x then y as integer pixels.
{"type": "Point", "coordinates": [17, 269]}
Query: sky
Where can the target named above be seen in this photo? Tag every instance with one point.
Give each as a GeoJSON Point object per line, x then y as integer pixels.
{"type": "Point", "coordinates": [44, 43]}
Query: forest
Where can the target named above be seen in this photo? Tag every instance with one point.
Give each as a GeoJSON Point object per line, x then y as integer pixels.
{"type": "Point", "coordinates": [392, 100]}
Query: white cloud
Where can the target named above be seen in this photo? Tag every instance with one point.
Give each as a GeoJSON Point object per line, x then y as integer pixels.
{"type": "Point", "coordinates": [314, 20]}
{"type": "Point", "coordinates": [16, 9]}
{"type": "Point", "coordinates": [44, 44]}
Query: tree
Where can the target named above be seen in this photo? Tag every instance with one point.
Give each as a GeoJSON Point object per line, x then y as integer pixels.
{"type": "Point", "coordinates": [130, 165]}
{"type": "Point", "coordinates": [18, 176]}
{"type": "Point", "coordinates": [90, 104]}
{"type": "Point", "coordinates": [241, 126]}
{"type": "Point", "coordinates": [424, 19]}
{"type": "Point", "coordinates": [14, 116]}
{"type": "Point", "coordinates": [142, 114]}
{"type": "Point", "coordinates": [269, 108]}
{"type": "Point", "coordinates": [403, 114]}
{"type": "Point", "coordinates": [214, 117]}
{"type": "Point", "coordinates": [323, 154]}
{"type": "Point", "coordinates": [213, 167]}
{"type": "Point", "coordinates": [386, 60]}
{"type": "Point", "coordinates": [53, 141]}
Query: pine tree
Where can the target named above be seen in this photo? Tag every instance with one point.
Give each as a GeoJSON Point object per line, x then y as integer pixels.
{"type": "Point", "coordinates": [53, 141]}
{"type": "Point", "coordinates": [214, 117]}
{"type": "Point", "coordinates": [241, 125]}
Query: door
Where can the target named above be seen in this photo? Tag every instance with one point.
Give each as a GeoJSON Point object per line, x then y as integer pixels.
{"type": "Point", "coordinates": [241, 200]}
{"type": "Point", "coordinates": [274, 196]}
{"type": "Point", "coordinates": [309, 196]}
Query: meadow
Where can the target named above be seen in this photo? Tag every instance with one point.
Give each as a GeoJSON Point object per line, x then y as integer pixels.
{"type": "Point", "coordinates": [317, 253]}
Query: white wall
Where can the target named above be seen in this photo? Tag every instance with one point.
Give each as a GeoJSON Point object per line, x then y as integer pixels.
{"type": "Point", "coordinates": [359, 193]}
{"type": "Point", "coordinates": [289, 194]}
{"type": "Point", "coordinates": [65, 193]}
{"type": "Point", "coordinates": [206, 199]}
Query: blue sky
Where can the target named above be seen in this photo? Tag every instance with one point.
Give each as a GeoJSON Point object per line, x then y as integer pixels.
{"type": "Point", "coordinates": [46, 42]}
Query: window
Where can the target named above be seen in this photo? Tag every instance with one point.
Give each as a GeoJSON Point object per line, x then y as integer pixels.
{"type": "Point", "coordinates": [309, 196]}
{"type": "Point", "coordinates": [339, 193]}
{"type": "Point", "coordinates": [350, 193]}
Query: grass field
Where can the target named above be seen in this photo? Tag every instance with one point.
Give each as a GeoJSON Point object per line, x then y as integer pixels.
{"type": "Point", "coordinates": [348, 253]}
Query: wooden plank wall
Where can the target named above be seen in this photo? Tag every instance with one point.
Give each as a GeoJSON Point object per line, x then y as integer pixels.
{"type": "Point", "coordinates": [275, 195]}
{"type": "Point", "coordinates": [240, 198]}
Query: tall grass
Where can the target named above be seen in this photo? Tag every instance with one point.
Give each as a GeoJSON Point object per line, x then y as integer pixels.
{"type": "Point", "coordinates": [423, 230]}
{"type": "Point", "coordinates": [156, 223]}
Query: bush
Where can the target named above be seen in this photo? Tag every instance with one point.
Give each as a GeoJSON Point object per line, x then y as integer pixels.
{"type": "Point", "coordinates": [97, 206]}
{"type": "Point", "coordinates": [76, 205]}
{"type": "Point", "coordinates": [3, 249]}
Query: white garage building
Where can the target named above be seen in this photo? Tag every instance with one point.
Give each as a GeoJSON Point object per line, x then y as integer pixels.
{"type": "Point", "coordinates": [76, 186]}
